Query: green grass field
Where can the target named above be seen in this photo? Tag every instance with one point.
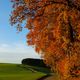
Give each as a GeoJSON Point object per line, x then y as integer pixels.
{"type": "Point", "coordinates": [20, 72]}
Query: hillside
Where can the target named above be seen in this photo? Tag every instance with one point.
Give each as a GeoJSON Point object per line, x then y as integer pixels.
{"type": "Point", "coordinates": [20, 72]}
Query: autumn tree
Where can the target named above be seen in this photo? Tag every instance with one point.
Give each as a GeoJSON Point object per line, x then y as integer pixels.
{"type": "Point", "coordinates": [54, 31]}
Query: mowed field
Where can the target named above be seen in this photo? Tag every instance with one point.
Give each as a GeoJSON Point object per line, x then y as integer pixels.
{"type": "Point", "coordinates": [20, 72]}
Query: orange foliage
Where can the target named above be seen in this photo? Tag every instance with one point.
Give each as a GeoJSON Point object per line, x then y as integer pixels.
{"type": "Point", "coordinates": [54, 30]}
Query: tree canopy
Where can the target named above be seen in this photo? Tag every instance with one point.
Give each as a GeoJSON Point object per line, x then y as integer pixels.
{"type": "Point", "coordinates": [54, 31]}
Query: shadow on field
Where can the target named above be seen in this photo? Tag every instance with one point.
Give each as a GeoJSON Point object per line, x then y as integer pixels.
{"type": "Point", "coordinates": [35, 69]}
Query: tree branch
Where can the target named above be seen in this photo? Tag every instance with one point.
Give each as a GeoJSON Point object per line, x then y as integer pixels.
{"type": "Point", "coordinates": [71, 31]}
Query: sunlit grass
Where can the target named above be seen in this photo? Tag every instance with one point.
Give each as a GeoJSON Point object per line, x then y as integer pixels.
{"type": "Point", "coordinates": [18, 72]}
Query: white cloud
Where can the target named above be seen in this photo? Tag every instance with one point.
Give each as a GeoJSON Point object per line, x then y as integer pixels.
{"type": "Point", "coordinates": [4, 45]}
{"type": "Point", "coordinates": [15, 52]}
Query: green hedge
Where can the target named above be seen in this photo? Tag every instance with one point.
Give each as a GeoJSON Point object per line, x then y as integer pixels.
{"type": "Point", "coordinates": [34, 62]}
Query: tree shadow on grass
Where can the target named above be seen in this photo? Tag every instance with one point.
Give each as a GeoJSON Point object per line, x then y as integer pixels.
{"type": "Point", "coordinates": [35, 69]}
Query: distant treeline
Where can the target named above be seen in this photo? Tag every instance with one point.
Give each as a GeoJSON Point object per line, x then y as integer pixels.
{"type": "Point", "coordinates": [34, 62]}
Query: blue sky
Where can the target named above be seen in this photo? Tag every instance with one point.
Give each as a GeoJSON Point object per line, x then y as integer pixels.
{"type": "Point", "coordinates": [13, 46]}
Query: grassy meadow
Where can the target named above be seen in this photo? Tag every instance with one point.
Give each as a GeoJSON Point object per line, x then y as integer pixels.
{"type": "Point", "coordinates": [20, 72]}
